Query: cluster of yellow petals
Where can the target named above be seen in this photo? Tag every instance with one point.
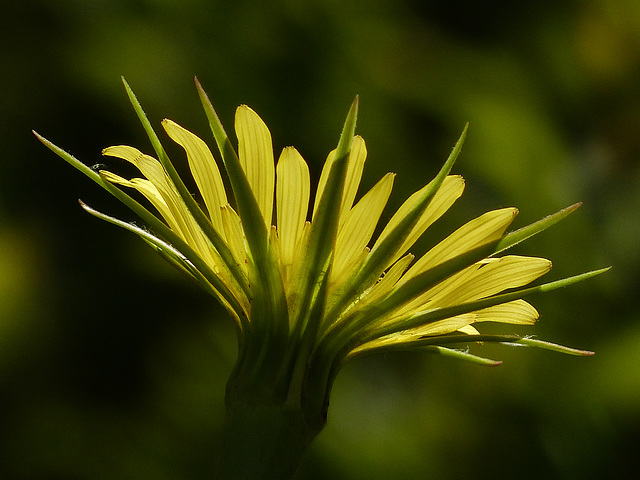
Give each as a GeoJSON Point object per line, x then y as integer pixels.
{"type": "Point", "coordinates": [287, 182]}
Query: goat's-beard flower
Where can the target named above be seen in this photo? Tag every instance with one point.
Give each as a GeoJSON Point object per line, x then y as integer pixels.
{"type": "Point", "coordinates": [309, 288]}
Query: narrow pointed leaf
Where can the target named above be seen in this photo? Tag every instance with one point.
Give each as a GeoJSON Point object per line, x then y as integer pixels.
{"type": "Point", "coordinates": [524, 233]}
{"type": "Point", "coordinates": [463, 355]}
{"type": "Point", "coordinates": [322, 236]}
{"type": "Point", "coordinates": [151, 220]}
{"type": "Point", "coordinates": [533, 342]}
{"type": "Point", "coordinates": [458, 338]}
{"type": "Point", "coordinates": [272, 302]}
{"type": "Point", "coordinates": [199, 271]}
{"type": "Point", "coordinates": [205, 224]}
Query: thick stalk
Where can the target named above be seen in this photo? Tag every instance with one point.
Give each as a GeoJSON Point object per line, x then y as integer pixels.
{"type": "Point", "coordinates": [263, 440]}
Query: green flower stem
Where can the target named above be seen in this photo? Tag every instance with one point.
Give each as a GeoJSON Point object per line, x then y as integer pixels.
{"type": "Point", "coordinates": [263, 438]}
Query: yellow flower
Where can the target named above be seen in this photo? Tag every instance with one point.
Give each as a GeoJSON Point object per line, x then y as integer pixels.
{"type": "Point", "coordinates": [289, 181]}
{"type": "Point", "coordinates": [307, 285]}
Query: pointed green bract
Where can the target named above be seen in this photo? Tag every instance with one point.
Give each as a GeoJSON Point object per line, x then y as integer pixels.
{"type": "Point", "coordinates": [463, 355]}
{"type": "Point", "coordinates": [524, 233]}
{"type": "Point", "coordinates": [272, 306]}
{"type": "Point", "coordinates": [428, 343]}
{"type": "Point", "coordinates": [193, 207]}
{"type": "Point", "coordinates": [322, 236]}
{"type": "Point", "coordinates": [532, 342]}
{"type": "Point", "coordinates": [154, 223]}
{"type": "Point", "coordinates": [201, 273]}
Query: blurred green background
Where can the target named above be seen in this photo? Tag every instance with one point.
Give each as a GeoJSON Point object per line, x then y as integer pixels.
{"type": "Point", "coordinates": [112, 365]}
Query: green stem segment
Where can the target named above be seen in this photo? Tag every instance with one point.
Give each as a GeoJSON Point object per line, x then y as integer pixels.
{"type": "Point", "coordinates": [263, 440]}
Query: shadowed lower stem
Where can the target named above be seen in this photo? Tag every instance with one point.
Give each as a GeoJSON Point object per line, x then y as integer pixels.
{"type": "Point", "coordinates": [263, 440]}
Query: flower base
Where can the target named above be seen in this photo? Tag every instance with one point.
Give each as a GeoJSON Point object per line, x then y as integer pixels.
{"type": "Point", "coordinates": [263, 440]}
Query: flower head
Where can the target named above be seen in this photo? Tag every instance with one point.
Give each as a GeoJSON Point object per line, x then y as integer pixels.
{"type": "Point", "coordinates": [306, 283]}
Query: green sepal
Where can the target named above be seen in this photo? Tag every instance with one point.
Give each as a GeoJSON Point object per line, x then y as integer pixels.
{"type": "Point", "coordinates": [295, 375]}
{"type": "Point", "coordinates": [156, 225]}
{"type": "Point", "coordinates": [252, 221]}
{"type": "Point", "coordinates": [269, 313]}
{"type": "Point", "coordinates": [203, 221]}
{"type": "Point", "coordinates": [150, 219]}
{"type": "Point", "coordinates": [543, 344]}
{"type": "Point", "coordinates": [517, 236]}
{"type": "Point", "coordinates": [462, 355]}
{"type": "Point", "coordinates": [109, 187]}
{"type": "Point", "coordinates": [426, 342]}
{"type": "Point", "coordinates": [324, 228]}
{"type": "Point", "coordinates": [199, 271]}
{"type": "Point", "coordinates": [248, 209]}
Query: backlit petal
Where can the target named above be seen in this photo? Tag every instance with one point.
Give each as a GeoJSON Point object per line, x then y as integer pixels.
{"type": "Point", "coordinates": [292, 201]}
{"type": "Point", "coordinates": [146, 188]}
{"type": "Point", "coordinates": [479, 231]}
{"type": "Point", "coordinates": [516, 312]}
{"type": "Point", "coordinates": [178, 217]}
{"type": "Point", "coordinates": [450, 190]}
{"type": "Point", "coordinates": [149, 167]}
{"type": "Point", "coordinates": [388, 280]}
{"type": "Point", "coordinates": [355, 167]}
{"type": "Point", "coordinates": [204, 170]}
{"type": "Point", "coordinates": [255, 152]}
{"type": "Point", "coordinates": [235, 238]}
{"type": "Point", "coordinates": [360, 222]}
{"type": "Point", "coordinates": [488, 277]}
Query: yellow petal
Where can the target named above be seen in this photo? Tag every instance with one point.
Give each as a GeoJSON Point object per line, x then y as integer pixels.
{"type": "Point", "coordinates": [149, 167]}
{"type": "Point", "coordinates": [255, 152]}
{"type": "Point", "coordinates": [151, 193]}
{"type": "Point", "coordinates": [469, 330]}
{"type": "Point", "coordinates": [483, 279]}
{"type": "Point", "coordinates": [441, 327]}
{"type": "Point", "coordinates": [360, 222]}
{"type": "Point", "coordinates": [154, 172]}
{"type": "Point", "coordinates": [450, 190]}
{"type": "Point", "coordinates": [355, 166]}
{"type": "Point", "coordinates": [178, 217]}
{"type": "Point", "coordinates": [204, 170]}
{"type": "Point", "coordinates": [146, 188]}
{"type": "Point", "coordinates": [235, 236]}
{"type": "Point", "coordinates": [387, 282]}
{"type": "Point", "coordinates": [517, 312]}
{"type": "Point", "coordinates": [489, 277]}
{"type": "Point", "coordinates": [480, 231]}
{"type": "Point", "coordinates": [292, 201]}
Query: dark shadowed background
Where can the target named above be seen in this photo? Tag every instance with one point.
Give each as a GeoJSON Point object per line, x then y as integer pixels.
{"type": "Point", "coordinates": [112, 365]}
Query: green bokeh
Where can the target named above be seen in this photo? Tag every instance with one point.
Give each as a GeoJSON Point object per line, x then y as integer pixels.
{"type": "Point", "coordinates": [112, 366]}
